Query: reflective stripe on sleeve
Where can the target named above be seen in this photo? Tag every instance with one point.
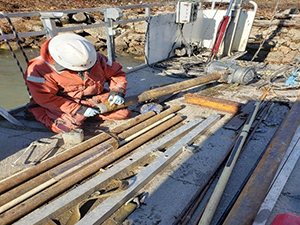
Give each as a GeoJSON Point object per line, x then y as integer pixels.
{"type": "Point", "coordinates": [36, 79]}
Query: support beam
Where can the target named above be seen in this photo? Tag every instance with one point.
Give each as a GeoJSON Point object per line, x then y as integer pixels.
{"type": "Point", "coordinates": [291, 158]}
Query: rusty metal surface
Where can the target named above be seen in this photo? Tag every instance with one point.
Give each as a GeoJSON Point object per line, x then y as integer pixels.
{"type": "Point", "coordinates": [30, 204]}
{"type": "Point", "coordinates": [222, 105]}
{"type": "Point", "coordinates": [162, 91]}
{"type": "Point", "coordinates": [148, 122]}
{"type": "Point", "coordinates": [23, 175]}
{"type": "Point", "coordinates": [248, 203]}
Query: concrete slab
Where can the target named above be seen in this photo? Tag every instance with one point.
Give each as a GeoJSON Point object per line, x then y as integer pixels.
{"type": "Point", "coordinates": [171, 190]}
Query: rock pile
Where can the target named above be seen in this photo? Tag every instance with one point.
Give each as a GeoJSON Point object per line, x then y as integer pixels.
{"type": "Point", "coordinates": [277, 40]}
{"type": "Point", "coordinates": [129, 41]}
{"type": "Point", "coordinates": [129, 38]}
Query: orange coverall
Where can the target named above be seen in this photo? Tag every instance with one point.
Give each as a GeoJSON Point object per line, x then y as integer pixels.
{"type": "Point", "coordinates": [57, 96]}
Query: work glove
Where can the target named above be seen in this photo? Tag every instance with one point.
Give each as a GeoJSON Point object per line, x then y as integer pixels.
{"type": "Point", "coordinates": [116, 98]}
{"type": "Point", "coordinates": [90, 112]}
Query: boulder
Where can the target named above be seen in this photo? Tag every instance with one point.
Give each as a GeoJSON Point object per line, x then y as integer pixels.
{"type": "Point", "coordinates": [275, 57]}
{"type": "Point", "coordinates": [290, 57]}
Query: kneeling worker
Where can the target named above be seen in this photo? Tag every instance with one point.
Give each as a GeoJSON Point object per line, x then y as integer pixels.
{"type": "Point", "coordinates": [66, 83]}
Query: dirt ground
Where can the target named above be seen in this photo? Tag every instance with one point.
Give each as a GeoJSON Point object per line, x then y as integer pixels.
{"type": "Point", "coordinates": [265, 7]}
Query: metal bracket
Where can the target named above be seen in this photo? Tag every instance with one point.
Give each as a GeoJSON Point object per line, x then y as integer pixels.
{"type": "Point", "coordinates": [49, 23]}
{"type": "Point", "coordinates": [46, 144]}
{"type": "Point", "coordinates": [111, 14]}
{"type": "Point", "coordinates": [189, 148]}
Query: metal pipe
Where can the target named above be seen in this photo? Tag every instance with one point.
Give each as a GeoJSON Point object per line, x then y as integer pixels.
{"type": "Point", "coordinates": [237, 11]}
{"type": "Point", "coordinates": [142, 139]}
{"type": "Point", "coordinates": [220, 165]}
{"type": "Point", "coordinates": [103, 211]}
{"type": "Point", "coordinates": [254, 192]}
{"type": "Point", "coordinates": [28, 173]}
{"type": "Point", "coordinates": [40, 181]}
{"type": "Point", "coordinates": [60, 173]}
{"type": "Point", "coordinates": [97, 182]}
{"type": "Point", "coordinates": [262, 117]}
{"type": "Point", "coordinates": [124, 141]}
{"type": "Point", "coordinates": [195, 201]}
{"type": "Point", "coordinates": [186, 214]}
{"type": "Point", "coordinates": [35, 201]}
{"type": "Point", "coordinates": [42, 178]}
{"type": "Point", "coordinates": [161, 91]}
{"type": "Point", "coordinates": [148, 122]}
{"type": "Point", "coordinates": [132, 122]}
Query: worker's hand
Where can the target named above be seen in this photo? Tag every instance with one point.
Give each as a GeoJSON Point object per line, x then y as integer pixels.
{"type": "Point", "coordinates": [90, 112]}
{"type": "Point", "coordinates": [115, 99]}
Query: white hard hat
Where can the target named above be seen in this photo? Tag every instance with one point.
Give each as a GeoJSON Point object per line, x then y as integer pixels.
{"type": "Point", "coordinates": [72, 51]}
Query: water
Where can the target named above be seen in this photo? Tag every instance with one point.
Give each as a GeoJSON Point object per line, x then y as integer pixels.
{"type": "Point", "coordinates": [13, 91]}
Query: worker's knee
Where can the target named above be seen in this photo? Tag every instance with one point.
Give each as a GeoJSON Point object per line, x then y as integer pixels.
{"type": "Point", "coordinates": [58, 123]}
{"type": "Point", "coordinates": [61, 126]}
{"type": "Point", "coordinates": [67, 122]}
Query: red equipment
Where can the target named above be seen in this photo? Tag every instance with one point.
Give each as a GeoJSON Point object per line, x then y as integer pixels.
{"type": "Point", "coordinates": [286, 219]}
{"type": "Point", "coordinates": [221, 32]}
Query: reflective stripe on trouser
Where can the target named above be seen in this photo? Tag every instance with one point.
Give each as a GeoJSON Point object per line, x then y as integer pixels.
{"type": "Point", "coordinates": [65, 122]}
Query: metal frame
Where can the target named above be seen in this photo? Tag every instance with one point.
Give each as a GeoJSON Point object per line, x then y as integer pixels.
{"type": "Point", "coordinates": [155, 44]}
{"type": "Point", "coordinates": [50, 29]}
{"type": "Point", "coordinates": [49, 15]}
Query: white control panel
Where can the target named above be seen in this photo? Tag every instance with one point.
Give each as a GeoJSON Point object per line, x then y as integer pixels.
{"type": "Point", "coordinates": [186, 12]}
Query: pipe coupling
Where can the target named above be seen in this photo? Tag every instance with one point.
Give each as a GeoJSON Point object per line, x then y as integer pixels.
{"type": "Point", "coordinates": [231, 72]}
